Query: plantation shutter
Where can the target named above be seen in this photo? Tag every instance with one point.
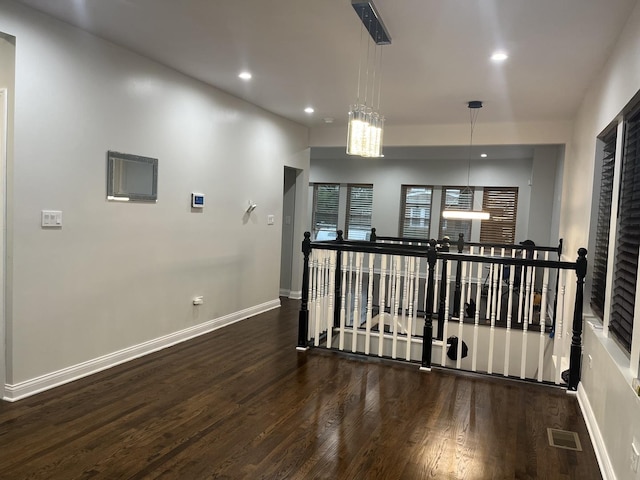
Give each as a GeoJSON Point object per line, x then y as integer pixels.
{"type": "Point", "coordinates": [601, 252]}
{"type": "Point", "coordinates": [359, 209]}
{"type": "Point", "coordinates": [325, 211]}
{"type": "Point", "coordinates": [415, 211]}
{"type": "Point", "coordinates": [456, 198]}
{"type": "Point", "coordinates": [502, 204]}
{"type": "Point", "coordinates": [628, 237]}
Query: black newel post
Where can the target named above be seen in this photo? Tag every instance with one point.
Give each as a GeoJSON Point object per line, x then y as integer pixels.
{"type": "Point", "coordinates": [443, 290]}
{"type": "Point", "coordinates": [458, 289]}
{"type": "Point", "coordinates": [575, 358]}
{"type": "Point", "coordinates": [337, 293]}
{"type": "Point", "coordinates": [303, 317]}
{"type": "Point", "coordinates": [373, 237]}
{"type": "Point", "coordinates": [427, 334]}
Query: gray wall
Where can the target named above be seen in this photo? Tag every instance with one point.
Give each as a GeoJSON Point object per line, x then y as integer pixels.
{"type": "Point", "coordinates": [117, 275]}
{"type": "Point", "coordinates": [534, 177]}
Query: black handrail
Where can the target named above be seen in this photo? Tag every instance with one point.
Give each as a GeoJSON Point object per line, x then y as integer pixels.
{"type": "Point", "coordinates": [433, 253]}
{"type": "Point", "coordinates": [507, 246]}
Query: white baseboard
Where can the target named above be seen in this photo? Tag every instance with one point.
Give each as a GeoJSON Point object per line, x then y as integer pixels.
{"type": "Point", "coordinates": [295, 294]}
{"type": "Point", "coordinates": [75, 372]}
{"type": "Point", "coordinates": [606, 468]}
{"type": "Point", "coordinates": [284, 292]}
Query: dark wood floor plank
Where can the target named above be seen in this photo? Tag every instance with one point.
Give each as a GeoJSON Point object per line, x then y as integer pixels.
{"type": "Point", "coordinates": [242, 403]}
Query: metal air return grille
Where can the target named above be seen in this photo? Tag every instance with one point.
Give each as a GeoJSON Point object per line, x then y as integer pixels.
{"type": "Point", "coordinates": [564, 439]}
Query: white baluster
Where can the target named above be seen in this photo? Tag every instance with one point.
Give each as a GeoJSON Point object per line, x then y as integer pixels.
{"type": "Point", "coordinates": [490, 289]}
{"type": "Point", "coordinates": [543, 318]}
{"type": "Point", "coordinates": [532, 292]}
{"type": "Point", "coordinates": [332, 289]}
{"type": "Point", "coordinates": [313, 271]}
{"type": "Point", "coordinates": [559, 337]}
{"type": "Point", "coordinates": [405, 297]}
{"type": "Point", "coordinates": [500, 278]}
{"type": "Point", "coordinates": [447, 299]}
{"type": "Point", "coordinates": [436, 282]}
{"type": "Point", "coordinates": [350, 291]}
{"type": "Point", "coordinates": [396, 307]}
{"type": "Point", "coordinates": [357, 302]}
{"type": "Point", "coordinates": [367, 343]}
{"type": "Point", "coordinates": [471, 250]}
{"type": "Point", "coordinates": [495, 273]}
{"type": "Point", "coordinates": [343, 295]}
{"type": "Point", "coordinates": [463, 310]}
{"type": "Point", "coordinates": [521, 289]}
{"type": "Point", "coordinates": [318, 296]}
{"type": "Point", "coordinates": [525, 321]}
{"type": "Point", "coordinates": [412, 331]}
{"type": "Point", "coordinates": [507, 343]}
{"type": "Point", "coordinates": [409, 324]}
{"type": "Point", "coordinates": [382, 295]}
{"type": "Point", "coordinates": [476, 323]}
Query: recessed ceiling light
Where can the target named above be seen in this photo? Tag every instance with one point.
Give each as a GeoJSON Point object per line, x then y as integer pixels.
{"type": "Point", "coordinates": [483, 155]}
{"type": "Point", "coordinates": [245, 76]}
{"type": "Point", "coordinates": [499, 56]}
{"type": "Point", "coordinates": [328, 119]}
{"type": "Point", "coordinates": [309, 110]}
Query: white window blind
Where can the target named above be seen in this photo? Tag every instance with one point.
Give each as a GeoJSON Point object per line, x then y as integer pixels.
{"type": "Point", "coordinates": [415, 211]}
{"type": "Point", "coordinates": [325, 210]}
{"type": "Point", "coordinates": [359, 209]}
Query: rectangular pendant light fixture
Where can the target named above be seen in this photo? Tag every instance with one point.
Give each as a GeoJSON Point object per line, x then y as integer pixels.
{"type": "Point", "coordinates": [366, 124]}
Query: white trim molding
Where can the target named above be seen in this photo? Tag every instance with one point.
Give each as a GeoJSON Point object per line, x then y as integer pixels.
{"type": "Point", "coordinates": [606, 468]}
{"type": "Point", "coordinates": [295, 294]}
{"type": "Point", "coordinates": [60, 377]}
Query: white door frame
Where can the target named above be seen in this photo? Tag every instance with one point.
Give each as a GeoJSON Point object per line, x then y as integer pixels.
{"type": "Point", "coordinates": [3, 235]}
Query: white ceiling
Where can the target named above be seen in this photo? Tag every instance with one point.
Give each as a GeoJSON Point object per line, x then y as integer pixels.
{"type": "Point", "coordinates": [304, 52]}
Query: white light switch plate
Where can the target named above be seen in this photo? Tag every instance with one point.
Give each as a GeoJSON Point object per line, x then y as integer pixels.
{"type": "Point", "coordinates": [51, 218]}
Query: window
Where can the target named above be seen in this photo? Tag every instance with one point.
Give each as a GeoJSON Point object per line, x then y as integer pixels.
{"type": "Point", "coordinates": [628, 236]}
{"type": "Point", "coordinates": [359, 208]}
{"type": "Point", "coordinates": [325, 210]}
{"type": "Point", "coordinates": [502, 204]}
{"type": "Point", "coordinates": [601, 251]}
{"type": "Point", "coordinates": [458, 198]}
{"type": "Point", "coordinates": [415, 211]}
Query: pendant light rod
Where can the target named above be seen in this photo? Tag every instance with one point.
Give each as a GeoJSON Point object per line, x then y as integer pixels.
{"type": "Point", "coordinates": [472, 214]}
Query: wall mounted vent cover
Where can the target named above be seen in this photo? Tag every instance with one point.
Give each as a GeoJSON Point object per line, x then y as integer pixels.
{"type": "Point", "coordinates": [564, 439]}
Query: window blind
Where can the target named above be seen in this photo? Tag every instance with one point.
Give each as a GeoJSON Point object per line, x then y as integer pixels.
{"type": "Point", "coordinates": [458, 198]}
{"type": "Point", "coordinates": [601, 250]}
{"type": "Point", "coordinates": [415, 211]}
{"type": "Point", "coordinates": [359, 209]}
{"type": "Point", "coordinates": [502, 204]}
{"type": "Point", "coordinates": [628, 237]}
{"type": "Point", "coordinates": [325, 211]}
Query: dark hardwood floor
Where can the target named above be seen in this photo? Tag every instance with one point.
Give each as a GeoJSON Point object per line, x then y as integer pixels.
{"type": "Point", "coordinates": [241, 402]}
